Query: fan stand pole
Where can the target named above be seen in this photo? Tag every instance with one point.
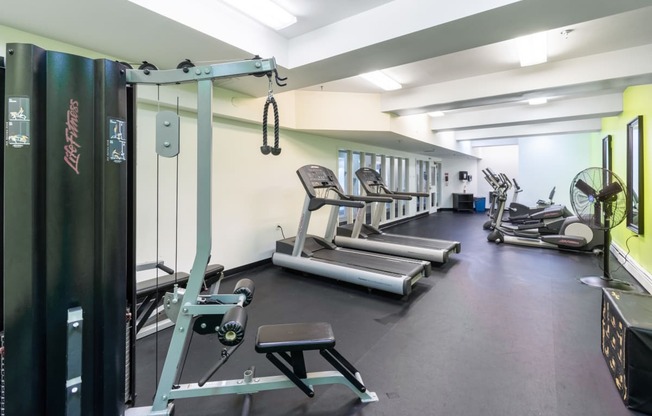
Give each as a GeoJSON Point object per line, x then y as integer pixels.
{"type": "Point", "coordinates": [606, 280]}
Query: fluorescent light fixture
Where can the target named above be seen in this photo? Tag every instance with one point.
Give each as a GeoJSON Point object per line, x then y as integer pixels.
{"type": "Point", "coordinates": [381, 80]}
{"type": "Point", "coordinates": [537, 101]}
{"type": "Point", "coordinates": [533, 49]}
{"type": "Point", "coordinates": [264, 11]}
{"type": "Point", "coordinates": [436, 114]}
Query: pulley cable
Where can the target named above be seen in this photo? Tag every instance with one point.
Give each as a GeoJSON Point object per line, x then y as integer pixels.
{"type": "Point", "coordinates": [158, 105]}
{"type": "Point", "coordinates": [176, 211]}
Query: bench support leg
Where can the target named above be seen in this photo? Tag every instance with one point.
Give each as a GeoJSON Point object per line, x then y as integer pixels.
{"type": "Point", "coordinates": [343, 366]}
{"type": "Point", "coordinates": [289, 374]}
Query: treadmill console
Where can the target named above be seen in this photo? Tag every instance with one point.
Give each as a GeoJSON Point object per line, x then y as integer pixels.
{"type": "Point", "coordinates": [370, 180]}
{"type": "Point", "coordinates": [370, 176]}
{"type": "Point", "coordinates": [317, 177]}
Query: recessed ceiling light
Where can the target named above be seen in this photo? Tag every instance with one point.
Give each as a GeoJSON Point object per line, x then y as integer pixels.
{"type": "Point", "coordinates": [264, 11]}
{"type": "Point", "coordinates": [381, 80]}
{"type": "Point", "coordinates": [537, 101]}
{"type": "Point", "coordinates": [533, 49]}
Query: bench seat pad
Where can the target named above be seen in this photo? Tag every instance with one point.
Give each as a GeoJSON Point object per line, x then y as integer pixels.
{"type": "Point", "coordinates": [295, 337]}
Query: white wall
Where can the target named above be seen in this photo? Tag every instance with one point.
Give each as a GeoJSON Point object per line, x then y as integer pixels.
{"type": "Point", "coordinates": [453, 166]}
{"type": "Point", "coordinates": [252, 193]}
{"type": "Point", "coordinates": [538, 164]}
{"type": "Point", "coordinates": [549, 161]}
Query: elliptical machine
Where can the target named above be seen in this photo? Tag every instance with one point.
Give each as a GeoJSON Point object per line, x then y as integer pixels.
{"type": "Point", "coordinates": [545, 220]}
{"type": "Point", "coordinates": [518, 211]}
{"type": "Point", "coordinates": [564, 233]}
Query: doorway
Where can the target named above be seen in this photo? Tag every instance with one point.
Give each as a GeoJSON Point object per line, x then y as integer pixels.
{"type": "Point", "coordinates": [434, 186]}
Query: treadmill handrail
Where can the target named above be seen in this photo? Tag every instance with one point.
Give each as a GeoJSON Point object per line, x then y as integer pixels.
{"type": "Point", "coordinates": [371, 198]}
{"type": "Point", "coordinates": [370, 179]}
{"type": "Point", "coordinates": [316, 203]}
{"type": "Point", "coordinates": [412, 194]}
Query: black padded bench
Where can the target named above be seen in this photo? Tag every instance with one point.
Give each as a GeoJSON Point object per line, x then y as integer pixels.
{"type": "Point", "coordinates": [149, 293]}
{"type": "Point", "coordinates": [289, 341]}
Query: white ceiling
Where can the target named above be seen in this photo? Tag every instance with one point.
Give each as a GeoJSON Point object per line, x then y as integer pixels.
{"type": "Point", "coordinates": [451, 56]}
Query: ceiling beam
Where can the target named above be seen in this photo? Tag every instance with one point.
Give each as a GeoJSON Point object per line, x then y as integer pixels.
{"type": "Point", "coordinates": [561, 110]}
{"type": "Point", "coordinates": [541, 129]}
{"type": "Point", "coordinates": [589, 75]}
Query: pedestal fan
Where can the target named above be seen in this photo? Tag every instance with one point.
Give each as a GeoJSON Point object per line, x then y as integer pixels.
{"type": "Point", "coordinates": [599, 199]}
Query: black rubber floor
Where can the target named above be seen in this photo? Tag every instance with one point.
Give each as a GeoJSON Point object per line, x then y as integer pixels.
{"type": "Point", "coordinates": [497, 331]}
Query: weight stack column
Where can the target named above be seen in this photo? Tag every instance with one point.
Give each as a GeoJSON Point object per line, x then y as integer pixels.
{"type": "Point", "coordinates": [79, 193]}
{"type": "Point", "coordinates": [24, 231]}
{"type": "Point", "coordinates": [2, 308]}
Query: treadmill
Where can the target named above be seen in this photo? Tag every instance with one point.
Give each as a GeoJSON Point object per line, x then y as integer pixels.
{"type": "Point", "coordinates": [369, 236]}
{"type": "Point", "coordinates": [320, 256]}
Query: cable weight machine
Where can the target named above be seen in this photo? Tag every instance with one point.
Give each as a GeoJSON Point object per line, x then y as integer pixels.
{"type": "Point", "coordinates": [225, 314]}
{"type": "Point", "coordinates": [69, 219]}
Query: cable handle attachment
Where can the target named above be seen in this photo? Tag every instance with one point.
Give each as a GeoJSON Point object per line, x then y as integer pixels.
{"type": "Point", "coordinates": [265, 148]}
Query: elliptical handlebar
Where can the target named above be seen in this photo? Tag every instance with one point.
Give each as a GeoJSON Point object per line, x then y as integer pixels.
{"type": "Point", "coordinates": [506, 180]}
{"type": "Point", "coordinates": [491, 179]}
{"type": "Point", "coordinates": [516, 186]}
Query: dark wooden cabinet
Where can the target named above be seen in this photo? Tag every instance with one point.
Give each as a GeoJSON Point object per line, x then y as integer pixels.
{"type": "Point", "coordinates": [463, 202]}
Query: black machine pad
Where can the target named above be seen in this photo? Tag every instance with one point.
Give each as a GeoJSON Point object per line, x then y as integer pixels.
{"type": "Point", "coordinates": [167, 281]}
{"type": "Point", "coordinates": [294, 337]}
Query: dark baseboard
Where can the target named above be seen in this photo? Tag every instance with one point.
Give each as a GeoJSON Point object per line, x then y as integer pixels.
{"type": "Point", "coordinates": [403, 220]}
{"type": "Point", "coordinates": [246, 267]}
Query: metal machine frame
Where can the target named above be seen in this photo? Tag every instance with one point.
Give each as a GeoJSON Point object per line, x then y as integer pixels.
{"type": "Point", "coordinates": [185, 306]}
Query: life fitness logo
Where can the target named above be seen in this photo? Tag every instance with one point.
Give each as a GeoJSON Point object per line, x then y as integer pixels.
{"type": "Point", "coordinates": [71, 148]}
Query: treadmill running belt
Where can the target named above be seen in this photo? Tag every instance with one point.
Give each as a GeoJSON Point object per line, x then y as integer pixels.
{"type": "Point", "coordinates": [380, 264]}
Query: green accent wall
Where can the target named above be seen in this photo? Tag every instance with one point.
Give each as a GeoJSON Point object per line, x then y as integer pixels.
{"type": "Point", "coordinates": [636, 101]}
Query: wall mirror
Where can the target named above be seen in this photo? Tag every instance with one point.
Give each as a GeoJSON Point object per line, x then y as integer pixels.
{"type": "Point", "coordinates": [606, 158]}
{"type": "Point", "coordinates": [606, 152]}
{"type": "Point", "coordinates": [635, 175]}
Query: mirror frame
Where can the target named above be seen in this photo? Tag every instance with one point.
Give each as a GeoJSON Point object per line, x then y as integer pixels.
{"type": "Point", "coordinates": [606, 158]}
{"type": "Point", "coordinates": [606, 152]}
{"type": "Point", "coordinates": [635, 169]}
